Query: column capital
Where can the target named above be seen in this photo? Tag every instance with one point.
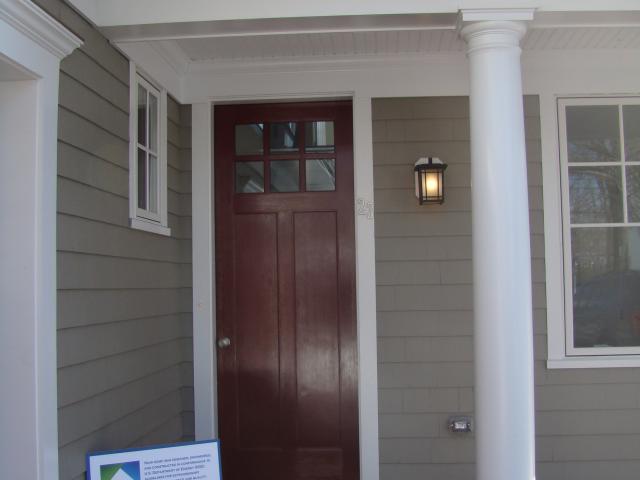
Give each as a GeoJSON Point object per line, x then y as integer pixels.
{"type": "Point", "coordinates": [493, 28]}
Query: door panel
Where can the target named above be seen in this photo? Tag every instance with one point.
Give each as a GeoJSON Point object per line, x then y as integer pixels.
{"type": "Point", "coordinates": [285, 288]}
{"type": "Point", "coordinates": [317, 335]}
{"type": "Point", "coordinates": [255, 264]}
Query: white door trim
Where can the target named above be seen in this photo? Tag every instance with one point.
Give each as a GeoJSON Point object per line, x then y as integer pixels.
{"type": "Point", "coordinates": [31, 46]}
{"type": "Point", "coordinates": [205, 398]}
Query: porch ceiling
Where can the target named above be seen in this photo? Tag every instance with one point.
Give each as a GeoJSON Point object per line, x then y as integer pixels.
{"type": "Point", "coordinates": [190, 45]}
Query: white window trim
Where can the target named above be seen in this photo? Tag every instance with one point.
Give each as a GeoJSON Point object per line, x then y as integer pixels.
{"type": "Point", "coordinates": [138, 218]}
{"type": "Point", "coordinates": [556, 250]}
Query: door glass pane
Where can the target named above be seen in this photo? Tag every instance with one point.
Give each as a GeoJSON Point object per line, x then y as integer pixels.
{"type": "Point", "coordinates": [593, 133]}
{"type": "Point", "coordinates": [142, 115]}
{"type": "Point", "coordinates": [631, 132]}
{"type": "Point", "coordinates": [595, 194]}
{"type": "Point", "coordinates": [153, 184]}
{"type": "Point", "coordinates": [249, 177]}
{"type": "Point", "coordinates": [283, 137]}
{"type": "Point", "coordinates": [142, 179]}
{"type": "Point", "coordinates": [285, 176]}
{"type": "Point", "coordinates": [249, 139]}
{"type": "Point", "coordinates": [606, 282]}
{"type": "Point", "coordinates": [153, 123]}
{"type": "Point", "coordinates": [319, 137]}
{"type": "Point", "coordinates": [321, 175]}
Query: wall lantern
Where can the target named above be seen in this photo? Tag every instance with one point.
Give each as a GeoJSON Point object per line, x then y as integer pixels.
{"type": "Point", "coordinates": [429, 172]}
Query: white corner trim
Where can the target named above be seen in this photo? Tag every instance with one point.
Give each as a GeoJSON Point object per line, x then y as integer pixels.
{"type": "Point", "coordinates": [39, 26]}
{"type": "Point", "coordinates": [204, 300]}
{"type": "Point", "coordinates": [366, 289]}
{"type": "Point", "coordinates": [152, 227]}
{"type": "Point", "coordinates": [554, 263]}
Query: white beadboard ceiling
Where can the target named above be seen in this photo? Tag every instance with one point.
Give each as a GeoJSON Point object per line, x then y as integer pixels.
{"type": "Point", "coordinates": [349, 44]}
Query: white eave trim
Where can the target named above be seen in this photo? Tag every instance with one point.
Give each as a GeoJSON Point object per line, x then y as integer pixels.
{"type": "Point", "coordinates": [35, 23]}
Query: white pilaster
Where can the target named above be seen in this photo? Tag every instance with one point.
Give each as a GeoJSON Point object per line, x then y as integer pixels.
{"type": "Point", "coordinates": [203, 232]}
{"type": "Point", "coordinates": [504, 385]}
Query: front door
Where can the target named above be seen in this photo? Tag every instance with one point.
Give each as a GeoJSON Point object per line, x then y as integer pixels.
{"type": "Point", "coordinates": [285, 286]}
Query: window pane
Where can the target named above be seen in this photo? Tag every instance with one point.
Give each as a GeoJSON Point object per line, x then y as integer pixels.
{"type": "Point", "coordinates": [153, 184]}
{"type": "Point", "coordinates": [595, 194]}
{"type": "Point", "coordinates": [283, 137]}
{"type": "Point", "coordinates": [606, 283]}
{"type": "Point", "coordinates": [633, 193]}
{"type": "Point", "coordinates": [249, 177]}
{"type": "Point", "coordinates": [142, 179]}
{"type": "Point", "coordinates": [319, 137]}
{"type": "Point", "coordinates": [142, 115]}
{"type": "Point", "coordinates": [249, 139]}
{"type": "Point", "coordinates": [631, 132]}
{"type": "Point", "coordinates": [321, 175]}
{"type": "Point", "coordinates": [153, 123]}
{"type": "Point", "coordinates": [593, 133]}
{"type": "Point", "coordinates": [285, 176]}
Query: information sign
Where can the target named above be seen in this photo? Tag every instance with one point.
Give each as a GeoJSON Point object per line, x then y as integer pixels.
{"type": "Point", "coordinates": [182, 461]}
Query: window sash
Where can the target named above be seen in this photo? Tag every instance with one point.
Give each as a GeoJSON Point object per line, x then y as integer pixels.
{"type": "Point", "coordinates": [567, 226]}
{"type": "Point", "coordinates": [147, 213]}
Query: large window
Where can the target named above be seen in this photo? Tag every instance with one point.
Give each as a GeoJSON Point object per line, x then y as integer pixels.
{"type": "Point", "coordinates": [600, 184]}
{"type": "Point", "coordinates": [147, 162]}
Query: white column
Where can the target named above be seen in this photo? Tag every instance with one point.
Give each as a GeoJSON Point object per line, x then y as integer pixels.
{"type": "Point", "coordinates": [504, 412]}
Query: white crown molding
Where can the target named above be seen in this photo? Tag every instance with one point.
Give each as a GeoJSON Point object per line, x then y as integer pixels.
{"type": "Point", "coordinates": [39, 26]}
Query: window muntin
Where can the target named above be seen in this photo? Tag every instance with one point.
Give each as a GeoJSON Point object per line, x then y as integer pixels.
{"type": "Point", "coordinates": [285, 157]}
{"type": "Point", "coordinates": [600, 211]}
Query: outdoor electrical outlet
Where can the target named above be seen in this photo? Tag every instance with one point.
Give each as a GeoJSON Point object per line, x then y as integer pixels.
{"type": "Point", "coordinates": [459, 424]}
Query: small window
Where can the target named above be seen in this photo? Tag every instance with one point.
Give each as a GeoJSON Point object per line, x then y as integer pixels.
{"type": "Point", "coordinates": [600, 178]}
{"type": "Point", "coordinates": [147, 155]}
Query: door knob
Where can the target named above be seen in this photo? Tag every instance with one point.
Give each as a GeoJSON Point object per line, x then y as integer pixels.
{"type": "Point", "coordinates": [224, 342]}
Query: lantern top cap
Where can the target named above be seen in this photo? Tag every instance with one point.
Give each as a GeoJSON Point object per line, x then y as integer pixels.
{"type": "Point", "coordinates": [426, 163]}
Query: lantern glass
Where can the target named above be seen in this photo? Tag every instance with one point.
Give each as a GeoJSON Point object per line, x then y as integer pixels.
{"type": "Point", "coordinates": [429, 181]}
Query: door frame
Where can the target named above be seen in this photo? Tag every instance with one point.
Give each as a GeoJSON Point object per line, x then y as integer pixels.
{"type": "Point", "coordinates": [203, 234]}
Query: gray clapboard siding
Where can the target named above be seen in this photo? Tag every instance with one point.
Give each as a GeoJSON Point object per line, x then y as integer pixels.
{"type": "Point", "coordinates": [588, 421]}
{"type": "Point", "coordinates": [85, 307]}
{"type": "Point", "coordinates": [82, 167]}
{"type": "Point", "coordinates": [125, 368]}
{"type": "Point", "coordinates": [93, 413]}
{"type": "Point", "coordinates": [75, 97]}
{"type": "Point", "coordinates": [87, 136]}
{"type": "Point", "coordinates": [109, 240]}
{"type": "Point", "coordinates": [84, 68]}
{"type": "Point", "coordinates": [127, 430]}
{"type": "Point", "coordinates": [83, 344]}
{"type": "Point", "coordinates": [94, 378]}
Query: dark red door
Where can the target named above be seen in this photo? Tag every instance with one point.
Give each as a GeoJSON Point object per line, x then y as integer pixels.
{"type": "Point", "coordinates": [285, 284]}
